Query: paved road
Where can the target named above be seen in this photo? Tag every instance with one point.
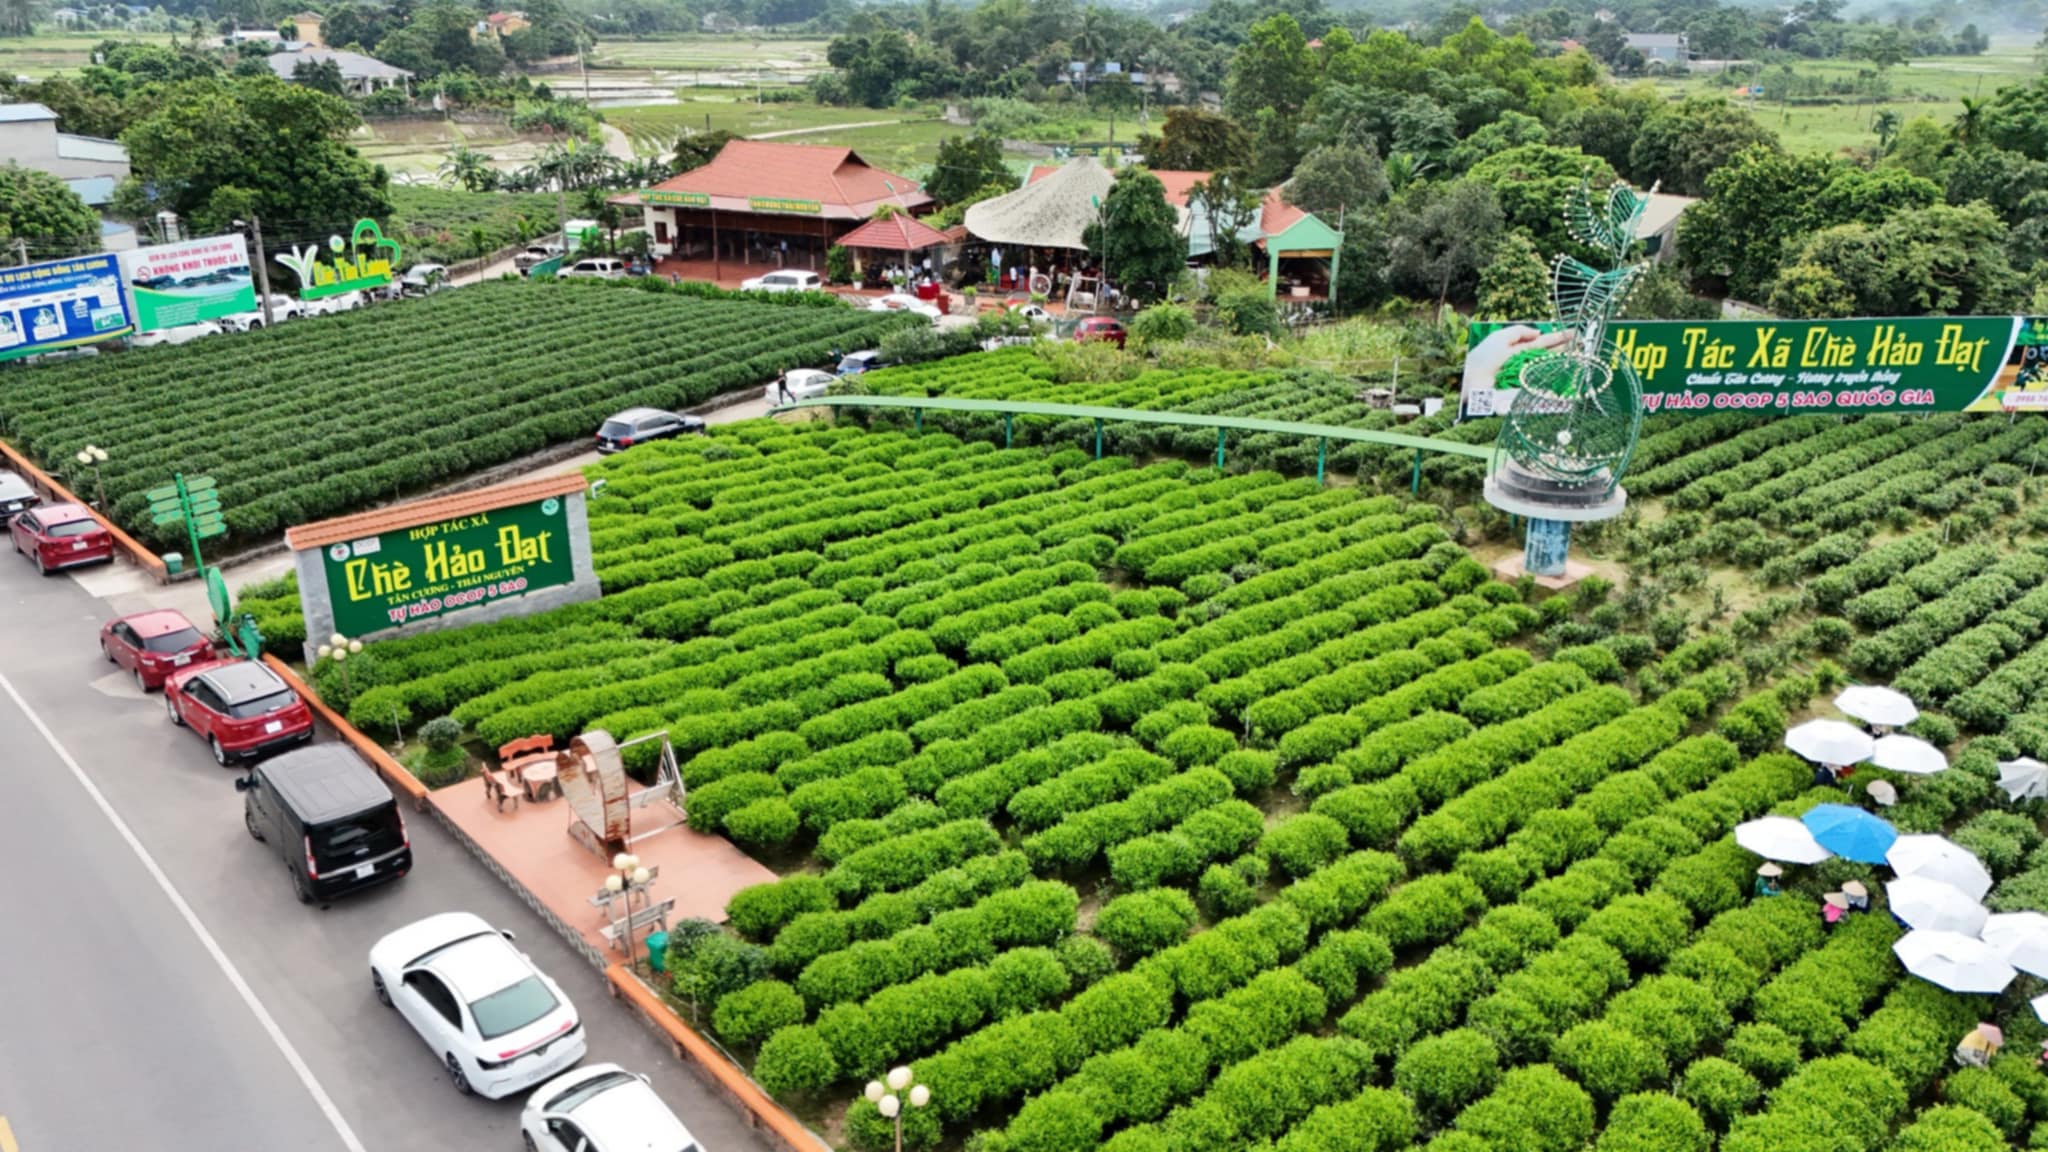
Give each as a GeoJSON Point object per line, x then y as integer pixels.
{"type": "Point", "coordinates": [118, 1029]}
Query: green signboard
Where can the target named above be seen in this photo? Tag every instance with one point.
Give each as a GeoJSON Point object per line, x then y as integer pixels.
{"type": "Point", "coordinates": [365, 260]}
{"type": "Point", "coordinates": [170, 285]}
{"type": "Point", "coordinates": [412, 574]}
{"type": "Point", "coordinates": [774, 204]}
{"type": "Point", "coordinates": [1916, 364]}
{"type": "Point", "coordinates": [676, 199]}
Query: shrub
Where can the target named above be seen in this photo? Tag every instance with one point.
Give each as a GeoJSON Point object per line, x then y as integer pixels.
{"type": "Point", "coordinates": [1948, 1128]}
{"type": "Point", "coordinates": [1224, 892]}
{"type": "Point", "coordinates": [795, 1063]}
{"type": "Point", "coordinates": [1141, 923]}
{"type": "Point", "coordinates": [1653, 1122]}
{"type": "Point", "coordinates": [1447, 1071]}
{"type": "Point", "coordinates": [763, 826]}
{"type": "Point", "coordinates": [1085, 958]}
{"type": "Point", "coordinates": [1162, 324]}
{"type": "Point", "coordinates": [1305, 842]}
{"type": "Point", "coordinates": [1981, 1091]}
{"type": "Point", "coordinates": [758, 1011]}
{"type": "Point", "coordinates": [1719, 1088]}
{"type": "Point", "coordinates": [715, 966]}
{"type": "Point", "coordinates": [1764, 1050]}
{"type": "Point", "coordinates": [1535, 1109]}
{"type": "Point", "coordinates": [760, 911]}
{"type": "Point", "coordinates": [1116, 1011]}
{"type": "Point", "coordinates": [1607, 1060]}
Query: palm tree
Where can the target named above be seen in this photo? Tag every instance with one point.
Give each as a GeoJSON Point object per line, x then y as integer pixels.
{"type": "Point", "coordinates": [1404, 169]}
{"type": "Point", "coordinates": [479, 242]}
{"type": "Point", "coordinates": [1886, 125]}
{"type": "Point", "coordinates": [469, 168]}
{"type": "Point", "coordinates": [1969, 122]}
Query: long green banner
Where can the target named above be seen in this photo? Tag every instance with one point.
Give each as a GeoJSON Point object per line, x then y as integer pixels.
{"type": "Point", "coordinates": [1919, 364]}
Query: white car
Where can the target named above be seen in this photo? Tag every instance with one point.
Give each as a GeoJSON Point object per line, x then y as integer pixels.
{"type": "Point", "coordinates": [596, 268]}
{"type": "Point", "coordinates": [346, 302]}
{"type": "Point", "coordinates": [183, 333]}
{"type": "Point", "coordinates": [804, 383]}
{"type": "Point", "coordinates": [784, 282]}
{"type": "Point", "coordinates": [904, 302]}
{"type": "Point", "coordinates": [496, 1022]}
{"type": "Point", "coordinates": [282, 308]}
{"type": "Point", "coordinates": [601, 1108]}
{"type": "Point", "coordinates": [1034, 313]}
{"type": "Point", "coordinates": [423, 280]}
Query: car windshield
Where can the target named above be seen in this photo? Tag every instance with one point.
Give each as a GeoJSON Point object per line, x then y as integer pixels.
{"type": "Point", "coordinates": [71, 528]}
{"type": "Point", "coordinates": [260, 705]}
{"type": "Point", "coordinates": [615, 429]}
{"type": "Point", "coordinates": [513, 1008]}
{"type": "Point", "coordinates": [583, 1093]}
{"type": "Point", "coordinates": [177, 641]}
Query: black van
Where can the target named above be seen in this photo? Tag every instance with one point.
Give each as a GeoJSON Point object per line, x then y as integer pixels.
{"type": "Point", "coordinates": [331, 818]}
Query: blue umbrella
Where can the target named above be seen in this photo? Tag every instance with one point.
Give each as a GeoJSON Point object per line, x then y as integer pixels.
{"type": "Point", "coordinates": [1850, 832]}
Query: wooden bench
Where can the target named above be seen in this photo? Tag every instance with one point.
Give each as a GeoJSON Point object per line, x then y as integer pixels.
{"type": "Point", "coordinates": [530, 762]}
{"type": "Point", "coordinates": [653, 914]}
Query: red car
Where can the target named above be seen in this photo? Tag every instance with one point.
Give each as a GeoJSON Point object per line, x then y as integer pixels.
{"type": "Point", "coordinates": [60, 536]}
{"type": "Point", "coordinates": [153, 645]}
{"type": "Point", "coordinates": [241, 707]}
{"type": "Point", "coordinates": [1100, 328]}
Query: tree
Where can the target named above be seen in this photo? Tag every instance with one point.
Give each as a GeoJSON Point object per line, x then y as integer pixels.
{"type": "Point", "coordinates": [1886, 47]}
{"type": "Point", "coordinates": [1808, 291]}
{"type": "Point", "coordinates": [1608, 128]}
{"type": "Point", "coordinates": [1886, 125]}
{"type": "Point", "coordinates": [1229, 203]}
{"type": "Point", "coordinates": [215, 149]}
{"type": "Point", "coordinates": [1531, 183]}
{"type": "Point", "coordinates": [1193, 140]}
{"type": "Point", "coordinates": [1138, 237]}
{"type": "Point", "coordinates": [1515, 284]}
{"type": "Point", "coordinates": [696, 149]}
{"type": "Point", "coordinates": [1439, 236]}
{"type": "Point", "coordinates": [1687, 142]}
{"type": "Point", "coordinates": [320, 76]}
{"type": "Point", "coordinates": [469, 168]}
{"type": "Point", "coordinates": [2016, 118]}
{"type": "Point", "coordinates": [966, 164]}
{"type": "Point", "coordinates": [1939, 260]}
{"type": "Point", "coordinates": [42, 211]}
{"type": "Point", "coordinates": [1920, 147]}
{"type": "Point", "coordinates": [1337, 177]}
{"type": "Point", "coordinates": [1273, 69]}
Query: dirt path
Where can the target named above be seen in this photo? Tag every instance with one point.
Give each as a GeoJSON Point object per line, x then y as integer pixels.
{"type": "Point", "coordinates": [826, 128]}
{"type": "Point", "coordinates": [618, 143]}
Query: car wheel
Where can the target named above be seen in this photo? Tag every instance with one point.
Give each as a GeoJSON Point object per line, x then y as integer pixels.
{"type": "Point", "coordinates": [41, 568]}
{"type": "Point", "coordinates": [456, 1077]}
{"type": "Point", "coordinates": [171, 709]}
{"type": "Point", "coordinates": [106, 651]}
{"type": "Point", "coordinates": [220, 754]}
{"type": "Point", "coordinates": [383, 993]}
{"type": "Point", "coordinates": [527, 1139]}
{"type": "Point", "coordinates": [300, 887]}
{"type": "Point", "coordinates": [249, 822]}
{"type": "Point", "coordinates": [141, 685]}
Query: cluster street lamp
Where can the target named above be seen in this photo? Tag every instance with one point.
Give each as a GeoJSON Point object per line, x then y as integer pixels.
{"type": "Point", "coordinates": [340, 648]}
{"type": "Point", "coordinates": [887, 1101]}
{"type": "Point", "coordinates": [92, 456]}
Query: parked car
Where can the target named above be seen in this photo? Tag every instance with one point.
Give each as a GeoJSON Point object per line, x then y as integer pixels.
{"type": "Point", "coordinates": [1105, 328]}
{"type": "Point", "coordinates": [182, 334]}
{"type": "Point", "coordinates": [16, 496]}
{"type": "Point", "coordinates": [803, 383]}
{"type": "Point", "coordinates": [597, 268]}
{"type": "Point", "coordinates": [497, 1022]}
{"type": "Point", "coordinates": [153, 645]}
{"type": "Point", "coordinates": [904, 302]}
{"type": "Point", "coordinates": [60, 536]}
{"type": "Point", "coordinates": [239, 707]}
{"type": "Point", "coordinates": [535, 254]}
{"type": "Point", "coordinates": [601, 1108]}
{"type": "Point", "coordinates": [346, 302]}
{"type": "Point", "coordinates": [332, 819]}
{"type": "Point", "coordinates": [282, 308]}
{"type": "Point", "coordinates": [423, 279]}
{"type": "Point", "coordinates": [639, 425]}
{"type": "Point", "coordinates": [855, 363]}
{"type": "Point", "coordinates": [784, 281]}
{"type": "Point", "coordinates": [1035, 313]}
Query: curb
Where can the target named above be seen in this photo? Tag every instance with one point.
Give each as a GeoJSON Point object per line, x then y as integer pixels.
{"type": "Point", "coordinates": [760, 1112]}
{"type": "Point", "coordinates": [37, 478]}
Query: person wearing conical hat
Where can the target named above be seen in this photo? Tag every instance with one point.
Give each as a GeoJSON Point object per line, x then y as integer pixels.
{"type": "Point", "coordinates": [1767, 879]}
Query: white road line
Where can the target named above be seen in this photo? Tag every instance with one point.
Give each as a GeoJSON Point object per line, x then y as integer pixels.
{"type": "Point", "coordinates": [213, 948]}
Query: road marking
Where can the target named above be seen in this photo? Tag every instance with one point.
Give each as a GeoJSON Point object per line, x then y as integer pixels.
{"type": "Point", "coordinates": [212, 946]}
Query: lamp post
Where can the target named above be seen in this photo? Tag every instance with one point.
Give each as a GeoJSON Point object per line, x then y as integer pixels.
{"type": "Point", "coordinates": [92, 456]}
{"type": "Point", "coordinates": [339, 648]}
{"type": "Point", "coordinates": [887, 1101]}
{"type": "Point", "coordinates": [1102, 230]}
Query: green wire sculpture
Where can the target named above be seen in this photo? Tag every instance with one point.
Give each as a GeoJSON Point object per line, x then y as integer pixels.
{"type": "Point", "coordinates": [1578, 409]}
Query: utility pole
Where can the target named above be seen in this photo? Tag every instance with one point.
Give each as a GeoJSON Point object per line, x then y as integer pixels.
{"type": "Point", "coordinates": [262, 270]}
{"type": "Point", "coordinates": [21, 251]}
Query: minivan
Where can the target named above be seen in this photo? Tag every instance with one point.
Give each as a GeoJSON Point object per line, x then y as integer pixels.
{"type": "Point", "coordinates": [330, 817]}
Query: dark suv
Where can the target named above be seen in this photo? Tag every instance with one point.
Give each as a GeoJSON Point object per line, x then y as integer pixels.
{"type": "Point", "coordinates": [330, 817]}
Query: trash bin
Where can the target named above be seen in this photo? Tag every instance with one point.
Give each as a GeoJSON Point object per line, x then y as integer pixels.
{"type": "Point", "coordinates": [657, 951]}
{"type": "Point", "coordinates": [174, 563]}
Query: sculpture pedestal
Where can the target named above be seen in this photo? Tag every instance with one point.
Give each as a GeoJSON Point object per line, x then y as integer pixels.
{"type": "Point", "coordinates": [1513, 568]}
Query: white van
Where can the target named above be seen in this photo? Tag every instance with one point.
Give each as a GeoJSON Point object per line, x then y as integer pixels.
{"type": "Point", "coordinates": [598, 268]}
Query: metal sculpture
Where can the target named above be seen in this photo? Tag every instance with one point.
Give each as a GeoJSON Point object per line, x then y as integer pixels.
{"type": "Point", "coordinates": [592, 777]}
{"type": "Point", "coordinates": [1567, 437]}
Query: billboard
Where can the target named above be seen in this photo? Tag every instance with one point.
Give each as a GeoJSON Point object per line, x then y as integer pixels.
{"type": "Point", "coordinates": [175, 284]}
{"type": "Point", "coordinates": [416, 573]}
{"type": "Point", "coordinates": [61, 304]}
{"type": "Point", "coordinates": [1914, 364]}
{"type": "Point", "coordinates": [365, 260]}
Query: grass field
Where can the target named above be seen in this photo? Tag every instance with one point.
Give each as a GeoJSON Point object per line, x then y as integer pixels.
{"type": "Point", "coordinates": [47, 55]}
{"type": "Point", "coordinates": [713, 54]}
{"type": "Point", "coordinates": [1928, 87]}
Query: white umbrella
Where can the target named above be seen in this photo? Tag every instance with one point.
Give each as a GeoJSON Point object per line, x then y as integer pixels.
{"type": "Point", "coordinates": [2040, 1006]}
{"type": "Point", "coordinates": [1956, 962]}
{"type": "Point", "coordinates": [2021, 938]}
{"type": "Point", "coordinates": [1908, 754]}
{"type": "Point", "coordinates": [1942, 859]}
{"type": "Point", "coordinates": [1935, 906]}
{"type": "Point", "coordinates": [1882, 792]}
{"type": "Point", "coordinates": [1875, 705]}
{"type": "Point", "coordinates": [2023, 779]}
{"type": "Point", "coordinates": [1830, 742]}
{"type": "Point", "coordinates": [1781, 838]}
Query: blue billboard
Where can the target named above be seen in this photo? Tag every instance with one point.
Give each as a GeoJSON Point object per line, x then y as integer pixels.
{"type": "Point", "coordinates": [61, 304]}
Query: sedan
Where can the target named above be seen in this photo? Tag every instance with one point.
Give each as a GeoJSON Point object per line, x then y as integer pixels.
{"type": "Point", "coordinates": [153, 645]}
{"type": "Point", "coordinates": [61, 536]}
{"type": "Point", "coordinates": [801, 384]}
{"type": "Point", "coordinates": [282, 308]}
{"type": "Point", "coordinates": [16, 496]}
{"type": "Point", "coordinates": [784, 282]}
{"type": "Point", "coordinates": [639, 425]}
{"type": "Point", "coordinates": [601, 1108]}
{"type": "Point", "coordinates": [239, 707]}
{"type": "Point", "coordinates": [182, 334]}
{"type": "Point", "coordinates": [495, 1022]}
{"type": "Point", "coordinates": [903, 302]}
{"type": "Point", "coordinates": [1104, 328]}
